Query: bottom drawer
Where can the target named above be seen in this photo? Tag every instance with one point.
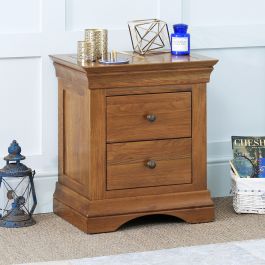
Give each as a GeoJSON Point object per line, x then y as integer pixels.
{"type": "Point", "coordinates": [148, 163]}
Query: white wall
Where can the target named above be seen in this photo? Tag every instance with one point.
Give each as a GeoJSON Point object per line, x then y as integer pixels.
{"type": "Point", "coordinates": [30, 30]}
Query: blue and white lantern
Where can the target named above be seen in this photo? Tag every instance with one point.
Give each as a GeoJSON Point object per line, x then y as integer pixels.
{"type": "Point", "coordinates": [18, 197]}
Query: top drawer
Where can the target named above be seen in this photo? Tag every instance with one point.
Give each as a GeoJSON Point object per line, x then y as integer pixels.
{"type": "Point", "coordinates": [148, 117]}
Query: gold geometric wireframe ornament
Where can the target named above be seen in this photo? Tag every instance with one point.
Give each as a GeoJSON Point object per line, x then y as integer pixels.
{"type": "Point", "coordinates": [149, 35]}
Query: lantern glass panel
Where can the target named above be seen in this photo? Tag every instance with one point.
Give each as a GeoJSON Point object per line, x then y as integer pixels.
{"type": "Point", "coordinates": [12, 189]}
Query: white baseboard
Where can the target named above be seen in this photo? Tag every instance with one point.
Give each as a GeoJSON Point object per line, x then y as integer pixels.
{"type": "Point", "coordinates": [45, 187]}
{"type": "Point", "coordinates": [218, 179]}
{"type": "Point", "coordinates": [218, 170]}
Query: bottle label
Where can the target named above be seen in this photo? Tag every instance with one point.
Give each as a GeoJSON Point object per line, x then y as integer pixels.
{"type": "Point", "coordinates": [180, 44]}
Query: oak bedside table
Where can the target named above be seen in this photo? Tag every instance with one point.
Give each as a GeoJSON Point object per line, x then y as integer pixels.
{"type": "Point", "coordinates": [132, 140]}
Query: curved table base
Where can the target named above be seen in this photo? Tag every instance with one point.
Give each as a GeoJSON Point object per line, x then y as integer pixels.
{"type": "Point", "coordinates": [112, 223]}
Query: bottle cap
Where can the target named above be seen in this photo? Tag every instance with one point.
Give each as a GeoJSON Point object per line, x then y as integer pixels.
{"type": "Point", "coordinates": [180, 28]}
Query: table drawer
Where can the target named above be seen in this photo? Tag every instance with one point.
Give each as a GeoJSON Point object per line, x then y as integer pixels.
{"type": "Point", "coordinates": [148, 163]}
{"type": "Point", "coordinates": [148, 117]}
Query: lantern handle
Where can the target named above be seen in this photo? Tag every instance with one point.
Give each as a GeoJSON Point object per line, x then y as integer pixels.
{"type": "Point", "coordinates": [34, 197]}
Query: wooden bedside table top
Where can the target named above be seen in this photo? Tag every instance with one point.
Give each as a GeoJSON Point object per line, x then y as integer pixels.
{"type": "Point", "coordinates": [140, 63]}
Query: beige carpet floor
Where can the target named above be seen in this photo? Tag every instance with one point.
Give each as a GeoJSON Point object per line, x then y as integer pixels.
{"type": "Point", "coordinates": [54, 239]}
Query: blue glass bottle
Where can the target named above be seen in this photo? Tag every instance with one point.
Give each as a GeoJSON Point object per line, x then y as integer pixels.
{"type": "Point", "coordinates": [180, 40]}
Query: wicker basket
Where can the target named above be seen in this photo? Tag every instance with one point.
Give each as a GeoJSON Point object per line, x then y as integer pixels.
{"type": "Point", "coordinates": [248, 194]}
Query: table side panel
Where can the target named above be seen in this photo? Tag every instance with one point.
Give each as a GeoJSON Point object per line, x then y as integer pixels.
{"type": "Point", "coordinates": [199, 141]}
{"type": "Point", "coordinates": [73, 133]}
{"type": "Point", "coordinates": [97, 142]}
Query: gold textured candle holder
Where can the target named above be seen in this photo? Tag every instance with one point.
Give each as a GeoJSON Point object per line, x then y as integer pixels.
{"type": "Point", "coordinates": [86, 51]}
{"type": "Point", "coordinates": [149, 35]}
{"type": "Point", "coordinates": [100, 39]}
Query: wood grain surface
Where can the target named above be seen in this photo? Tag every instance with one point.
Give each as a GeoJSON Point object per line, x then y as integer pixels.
{"type": "Point", "coordinates": [127, 163]}
{"type": "Point", "coordinates": [127, 117]}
